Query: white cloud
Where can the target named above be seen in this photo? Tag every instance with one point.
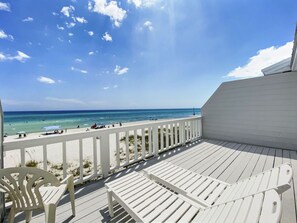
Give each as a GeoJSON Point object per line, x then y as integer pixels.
{"type": "Point", "coordinates": [263, 58]}
{"type": "Point", "coordinates": [4, 6]}
{"type": "Point", "coordinates": [60, 27]}
{"type": "Point", "coordinates": [110, 9]}
{"type": "Point", "coordinates": [90, 6]}
{"type": "Point", "coordinates": [66, 10]}
{"type": "Point", "coordinates": [143, 3]}
{"type": "Point", "coordinates": [105, 88]}
{"type": "Point", "coordinates": [3, 35]}
{"type": "Point", "coordinates": [64, 100]}
{"type": "Point", "coordinates": [28, 19]}
{"type": "Point", "coordinates": [148, 25]}
{"type": "Point", "coordinates": [70, 24]}
{"type": "Point", "coordinates": [79, 70]}
{"type": "Point", "coordinates": [54, 14]}
{"type": "Point", "coordinates": [46, 80]}
{"type": "Point", "coordinates": [119, 70]}
{"type": "Point", "coordinates": [137, 3]}
{"type": "Point", "coordinates": [107, 37]}
{"type": "Point", "coordinates": [70, 34]}
{"type": "Point", "coordinates": [91, 53]}
{"type": "Point", "coordinates": [81, 20]}
{"type": "Point", "coordinates": [77, 60]}
{"type": "Point", "coordinates": [21, 57]}
{"type": "Point", "coordinates": [115, 86]}
{"type": "Point", "coordinates": [91, 33]}
{"type": "Point", "coordinates": [2, 57]}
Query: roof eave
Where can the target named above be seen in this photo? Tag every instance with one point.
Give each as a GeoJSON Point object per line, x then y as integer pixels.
{"type": "Point", "coordinates": [294, 53]}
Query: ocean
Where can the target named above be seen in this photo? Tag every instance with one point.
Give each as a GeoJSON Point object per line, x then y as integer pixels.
{"type": "Point", "coordinates": [34, 121]}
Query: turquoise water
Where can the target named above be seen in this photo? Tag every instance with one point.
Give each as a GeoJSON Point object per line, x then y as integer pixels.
{"type": "Point", "coordinates": [34, 121]}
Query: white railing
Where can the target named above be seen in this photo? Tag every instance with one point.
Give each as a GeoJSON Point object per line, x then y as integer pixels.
{"type": "Point", "coordinates": [98, 153]}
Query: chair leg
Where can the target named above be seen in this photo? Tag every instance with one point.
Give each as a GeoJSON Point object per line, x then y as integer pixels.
{"type": "Point", "coordinates": [28, 216]}
{"type": "Point", "coordinates": [71, 195]}
{"type": "Point", "coordinates": [11, 215]}
{"type": "Point", "coordinates": [50, 213]}
{"type": "Point", "coordinates": [72, 199]}
{"type": "Point", "coordinates": [110, 204]}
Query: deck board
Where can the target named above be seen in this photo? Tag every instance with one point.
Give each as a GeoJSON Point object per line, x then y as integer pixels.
{"type": "Point", "coordinates": [226, 161]}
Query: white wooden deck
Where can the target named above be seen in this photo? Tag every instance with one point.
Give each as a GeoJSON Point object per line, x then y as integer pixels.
{"type": "Point", "coordinates": [226, 161]}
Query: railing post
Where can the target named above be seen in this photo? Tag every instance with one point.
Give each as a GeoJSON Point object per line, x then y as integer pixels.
{"type": "Point", "coordinates": [104, 154]}
{"type": "Point", "coordinates": [200, 127]}
{"type": "Point", "coordinates": [155, 141]}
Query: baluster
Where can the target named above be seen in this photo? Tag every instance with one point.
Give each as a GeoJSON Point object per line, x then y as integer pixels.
{"type": "Point", "coordinates": [143, 143]}
{"type": "Point", "coordinates": [64, 159]}
{"type": "Point", "coordinates": [196, 128]}
{"type": "Point", "coordinates": [175, 134]}
{"type": "Point", "coordinates": [191, 130]}
{"type": "Point", "coordinates": [104, 154]}
{"type": "Point", "coordinates": [182, 133]}
{"type": "Point", "coordinates": [81, 169]}
{"type": "Point", "coordinates": [135, 145]}
{"type": "Point", "coordinates": [117, 150]}
{"type": "Point", "coordinates": [155, 140]}
{"type": "Point", "coordinates": [162, 137]}
{"type": "Point", "coordinates": [23, 162]}
{"type": "Point", "coordinates": [150, 140]}
{"type": "Point", "coordinates": [171, 135]}
{"type": "Point", "coordinates": [167, 137]}
{"type": "Point", "coordinates": [127, 147]}
{"type": "Point", "coordinates": [187, 131]}
{"type": "Point", "coordinates": [44, 150]}
{"type": "Point", "coordinates": [95, 163]}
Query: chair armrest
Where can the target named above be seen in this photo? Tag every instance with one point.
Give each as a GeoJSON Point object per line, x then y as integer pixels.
{"type": "Point", "coordinates": [69, 180]}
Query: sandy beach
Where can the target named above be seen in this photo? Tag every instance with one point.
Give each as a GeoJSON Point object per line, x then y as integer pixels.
{"type": "Point", "coordinates": [54, 151]}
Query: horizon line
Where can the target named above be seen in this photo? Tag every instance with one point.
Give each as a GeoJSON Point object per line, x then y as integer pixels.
{"type": "Point", "coordinates": [113, 109]}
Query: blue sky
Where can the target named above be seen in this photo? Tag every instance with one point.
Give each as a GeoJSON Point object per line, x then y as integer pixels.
{"type": "Point", "coordinates": [102, 54]}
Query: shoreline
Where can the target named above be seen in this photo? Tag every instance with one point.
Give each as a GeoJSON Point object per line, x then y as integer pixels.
{"type": "Point", "coordinates": [35, 135]}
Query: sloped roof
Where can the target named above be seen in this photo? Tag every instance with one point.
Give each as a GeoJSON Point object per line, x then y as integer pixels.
{"type": "Point", "coordinates": [294, 53]}
{"type": "Point", "coordinates": [279, 67]}
{"type": "Point", "coordinates": [289, 64]}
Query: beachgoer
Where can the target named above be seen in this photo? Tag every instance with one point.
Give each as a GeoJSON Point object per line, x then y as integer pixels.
{"type": "Point", "coordinates": [78, 126]}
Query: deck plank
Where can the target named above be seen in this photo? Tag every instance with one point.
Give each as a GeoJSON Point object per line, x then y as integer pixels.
{"type": "Point", "coordinates": [226, 161]}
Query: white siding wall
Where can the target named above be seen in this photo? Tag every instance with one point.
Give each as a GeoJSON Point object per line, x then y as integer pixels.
{"type": "Point", "coordinates": [260, 111]}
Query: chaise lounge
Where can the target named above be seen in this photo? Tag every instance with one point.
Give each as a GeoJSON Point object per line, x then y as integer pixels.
{"type": "Point", "coordinates": [208, 191]}
{"type": "Point", "coordinates": [147, 201]}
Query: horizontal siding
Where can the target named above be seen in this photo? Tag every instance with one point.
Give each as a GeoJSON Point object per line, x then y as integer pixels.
{"type": "Point", "coordinates": [260, 111]}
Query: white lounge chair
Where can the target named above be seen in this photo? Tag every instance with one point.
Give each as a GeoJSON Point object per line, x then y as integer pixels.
{"type": "Point", "coordinates": [27, 190]}
{"type": "Point", "coordinates": [147, 201]}
{"type": "Point", "coordinates": [209, 191]}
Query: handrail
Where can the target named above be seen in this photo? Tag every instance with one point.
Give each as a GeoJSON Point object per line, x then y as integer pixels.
{"type": "Point", "coordinates": [110, 149]}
